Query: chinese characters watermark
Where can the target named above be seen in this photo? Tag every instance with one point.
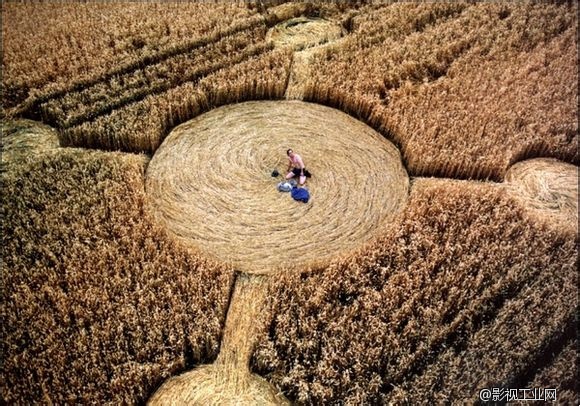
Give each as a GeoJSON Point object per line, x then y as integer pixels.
{"type": "Point", "coordinates": [512, 395]}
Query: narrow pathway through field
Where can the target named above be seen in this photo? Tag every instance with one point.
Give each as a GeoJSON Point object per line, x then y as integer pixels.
{"type": "Point", "coordinates": [245, 221]}
{"type": "Point", "coordinates": [228, 380]}
{"type": "Point", "coordinates": [254, 236]}
{"type": "Point", "coordinates": [308, 38]}
{"type": "Point", "coordinates": [243, 320]}
{"type": "Point", "coordinates": [300, 71]}
{"type": "Point", "coordinates": [259, 244]}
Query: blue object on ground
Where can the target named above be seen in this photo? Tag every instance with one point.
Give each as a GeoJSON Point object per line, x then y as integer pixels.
{"type": "Point", "coordinates": [300, 194]}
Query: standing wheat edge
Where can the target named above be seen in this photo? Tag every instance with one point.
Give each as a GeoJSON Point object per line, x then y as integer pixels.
{"type": "Point", "coordinates": [296, 167]}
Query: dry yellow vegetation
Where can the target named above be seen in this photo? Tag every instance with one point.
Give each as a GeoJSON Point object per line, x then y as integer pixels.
{"type": "Point", "coordinates": [97, 304]}
{"type": "Point", "coordinates": [55, 48]}
{"type": "Point", "coordinates": [170, 76]}
{"type": "Point", "coordinates": [472, 285]}
{"type": "Point", "coordinates": [463, 292]}
{"type": "Point", "coordinates": [465, 90]}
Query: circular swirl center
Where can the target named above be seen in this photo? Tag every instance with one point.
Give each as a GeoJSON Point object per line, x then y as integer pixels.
{"type": "Point", "coordinates": [547, 187]}
{"type": "Point", "coordinates": [210, 184]}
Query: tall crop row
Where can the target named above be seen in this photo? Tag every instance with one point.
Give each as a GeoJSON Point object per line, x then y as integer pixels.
{"type": "Point", "coordinates": [132, 105]}
{"type": "Point", "coordinates": [458, 262]}
{"type": "Point", "coordinates": [414, 72]}
{"type": "Point", "coordinates": [561, 372]}
{"type": "Point", "coordinates": [487, 116]}
{"type": "Point", "coordinates": [98, 305]}
{"type": "Point", "coordinates": [464, 89]}
{"type": "Point", "coordinates": [90, 102]}
{"type": "Point", "coordinates": [381, 48]}
{"type": "Point", "coordinates": [512, 346]}
{"type": "Point", "coordinates": [49, 46]}
{"type": "Point", "coordinates": [142, 125]}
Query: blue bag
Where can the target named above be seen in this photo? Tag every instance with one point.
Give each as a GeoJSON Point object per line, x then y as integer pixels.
{"type": "Point", "coordinates": [300, 194]}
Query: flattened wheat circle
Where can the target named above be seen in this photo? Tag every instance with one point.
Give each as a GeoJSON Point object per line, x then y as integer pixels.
{"type": "Point", "coordinates": [210, 184]}
{"type": "Point", "coordinates": [547, 187]}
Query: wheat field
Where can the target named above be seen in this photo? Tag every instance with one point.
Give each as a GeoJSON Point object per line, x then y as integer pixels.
{"type": "Point", "coordinates": [149, 258]}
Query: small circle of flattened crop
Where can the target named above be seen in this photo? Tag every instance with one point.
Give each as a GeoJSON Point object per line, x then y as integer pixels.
{"type": "Point", "coordinates": [547, 187]}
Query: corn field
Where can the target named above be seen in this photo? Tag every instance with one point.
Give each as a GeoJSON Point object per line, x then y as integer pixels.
{"type": "Point", "coordinates": [466, 284]}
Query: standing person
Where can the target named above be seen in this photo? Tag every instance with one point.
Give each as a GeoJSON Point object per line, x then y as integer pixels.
{"type": "Point", "coordinates": [296, 167]}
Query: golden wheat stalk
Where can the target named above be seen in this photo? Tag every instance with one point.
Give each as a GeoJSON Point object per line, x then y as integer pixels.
{"type": "Point", "coordinates": [228, 380]}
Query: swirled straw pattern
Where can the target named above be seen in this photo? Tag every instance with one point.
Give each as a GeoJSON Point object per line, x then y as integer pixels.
{"type": "Point", "coordinates": [303, 32]}
{"type": "Point", "coordinates": [210, 184]}
{"type": "Point", "coordinates": [25, 139]}
{"type": "Point", "coordinates": [547, 187]}
{"type": "Point", "coordinates": [216, 385]}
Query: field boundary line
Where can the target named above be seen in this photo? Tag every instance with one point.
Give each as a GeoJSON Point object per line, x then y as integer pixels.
{"type": "Point", "coordinates": [140, 62]}
{"type": "Point", "coordinates": [141, 95]}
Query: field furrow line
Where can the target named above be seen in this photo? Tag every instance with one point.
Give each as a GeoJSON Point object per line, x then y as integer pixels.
{"type": "Point", "coordinates": [277, 14]}
{"type": "Point", "coordinates": [559, 366]}
{"type": "Point", "coordinates": [163, 86]}
{"type": "Point", "coordinates": [467, 315]}
{"type": "Point", "coordinates": [33, 102]}
{"type": "Point", "coordinates": [551, 347]}
{"type": "Point", "coordinates": [170, 71]}
{"type": "Point", "coordinates": [425, 18]}
{"type": "Point", "coordinates": [500, 355]}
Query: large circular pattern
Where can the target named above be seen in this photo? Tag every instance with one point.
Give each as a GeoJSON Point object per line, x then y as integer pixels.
{"type": "Point", "coordinates": [547, 187]}
{"type": "Point", "coordinates": [210, 184]}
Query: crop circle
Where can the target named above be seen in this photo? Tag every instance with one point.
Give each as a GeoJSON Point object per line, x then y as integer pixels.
{"type": "Point", "coordinates": [547, 187]}
{"type": "Point", "coordinates": [303, 32]}
{"type": "Point", "coordinates": [210, 184]}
